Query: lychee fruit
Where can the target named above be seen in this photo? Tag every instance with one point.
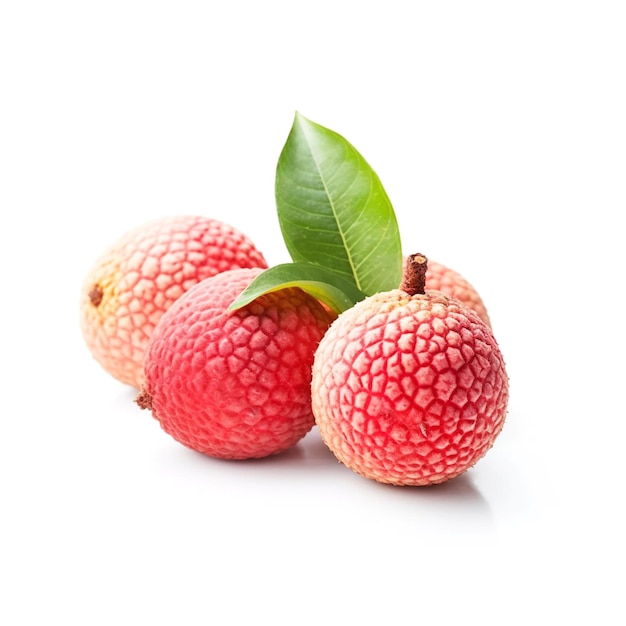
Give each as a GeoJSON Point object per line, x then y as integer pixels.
{"type": "Point", "coordinates": [442, 278]}
{"type": "Point", "coordinates": [409, 386]}
{"type": "Point", "coordinates": [136, 280]}
{"type": "Point", "coordinates": [234, 384]}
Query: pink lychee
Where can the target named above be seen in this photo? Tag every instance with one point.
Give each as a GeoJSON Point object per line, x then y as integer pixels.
{"type": "Point", "coordinates": [439, 277]}
{"type": "Point", "coordinates": [137, 279]}
{"type": "Point", "coordinates": [409, 386]}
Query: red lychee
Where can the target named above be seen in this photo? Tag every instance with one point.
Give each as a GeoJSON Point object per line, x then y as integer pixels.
{"type": "Point", "coordinates": [136, 280]}
{"type": "Point", "coordinates": [409, 387]}
{"type": "Point", "coordinates": [234, 384]}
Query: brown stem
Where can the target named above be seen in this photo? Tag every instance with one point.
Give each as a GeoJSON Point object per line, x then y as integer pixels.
{"type": "Point", "coordinates": [144, 400]}
{"type": "Point", "coordinates": [414, 276]}
{"type": "Point", "coordinates": [95, 295]}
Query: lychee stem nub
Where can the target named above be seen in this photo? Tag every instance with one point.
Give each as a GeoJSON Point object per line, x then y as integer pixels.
{"type": "Point", "coordinates": [144, 400]}
{"type": "Point", "coordinates": [414, 276]}
{"type": "Point", "coordinates": [95, 295]}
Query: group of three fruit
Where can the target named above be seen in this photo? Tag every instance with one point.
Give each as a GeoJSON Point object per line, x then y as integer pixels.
{"type": "Point", "coordinates": [407, 387]}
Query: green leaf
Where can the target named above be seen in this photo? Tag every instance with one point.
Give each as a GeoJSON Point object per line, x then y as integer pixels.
{"type": "Point", "coordinates": [323, 284]}
{"type": "Point", "coordinates": [333, 210]}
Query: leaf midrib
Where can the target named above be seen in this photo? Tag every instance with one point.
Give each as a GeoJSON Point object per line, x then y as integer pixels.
{"type": "Point", "coordinates": [334, 212]}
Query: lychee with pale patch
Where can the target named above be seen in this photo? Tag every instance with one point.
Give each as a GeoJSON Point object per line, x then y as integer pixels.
{"type": "Point", "coordinates": [409, 386]}
{"type": "Point", "coordinates": [137, 279]}
{"type": "Point", "coordinates": [234, 384]}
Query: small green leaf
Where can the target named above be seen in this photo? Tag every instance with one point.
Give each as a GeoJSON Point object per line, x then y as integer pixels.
{"type": "Point", "coordinates": [323, 284]}
{"type": "Point", "coordinates": [333, 210]}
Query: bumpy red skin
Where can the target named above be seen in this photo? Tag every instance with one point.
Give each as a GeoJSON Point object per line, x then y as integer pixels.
{"type": "Point", "coordinates": [409, 390]}
{"type": "Point", "coordinates": [135, 281]}
{"type": "Point", "coordinates": [234, 385]}
{"type": "Point", "coordinates": [442, 278]}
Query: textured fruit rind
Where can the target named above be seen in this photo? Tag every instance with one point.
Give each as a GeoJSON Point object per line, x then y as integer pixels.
{"type": "Point", "coordinates": [137, 279]}
{"type": "Point", "coordinates": [442, 278]}
{"type": "Point", "coordinates": [409, 390]}
{"type": "Point", "coordinates": [235, 385]}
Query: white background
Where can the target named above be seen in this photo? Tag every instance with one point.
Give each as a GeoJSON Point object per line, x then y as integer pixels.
{"type": "Point", "coordinates": [498, 130]}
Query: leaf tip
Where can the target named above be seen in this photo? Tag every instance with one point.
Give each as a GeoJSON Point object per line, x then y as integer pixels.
{"type": "Point", "coordinates": [301, 119]}
{"type": "Point", "coordinates": [235, 304]}
{"type": "Point", "coordinates": [241, 300]}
